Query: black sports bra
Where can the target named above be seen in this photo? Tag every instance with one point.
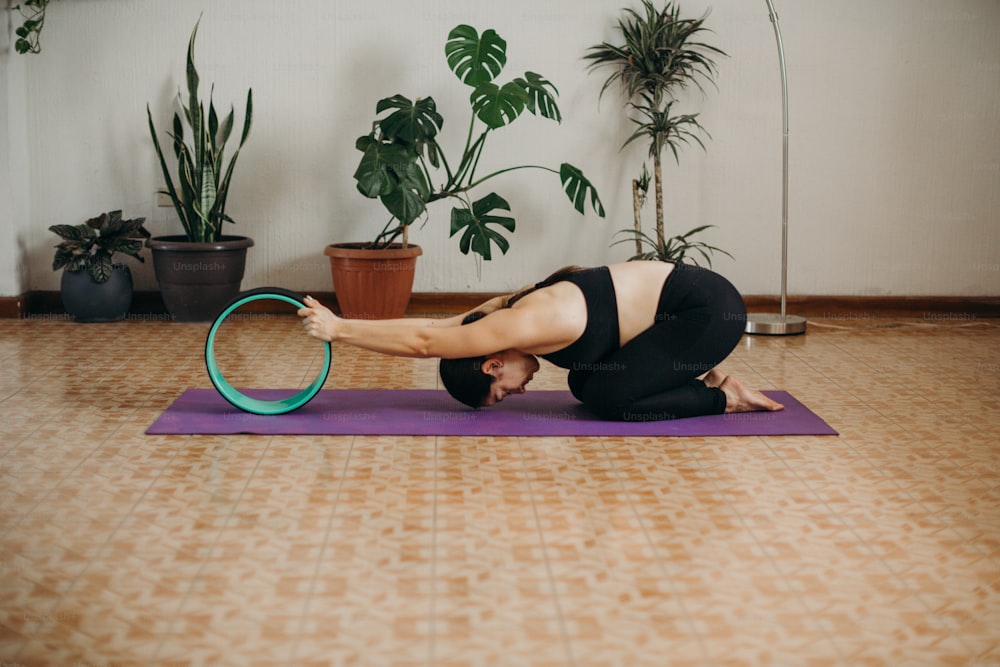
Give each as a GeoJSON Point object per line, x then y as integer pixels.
{"type": "Point", "coordinates": [601, 337]}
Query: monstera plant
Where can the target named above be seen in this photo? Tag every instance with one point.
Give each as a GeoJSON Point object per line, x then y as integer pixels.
{"type": "Point", "coordinates": [402, 149]}
{"type": "Point", "coordinates": [405, 167]}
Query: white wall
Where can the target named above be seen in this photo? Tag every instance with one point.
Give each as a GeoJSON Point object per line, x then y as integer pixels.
{"type": "Point", "coordinates": [895, 110]}
{"type": "Point", "coordinates": [14, 182]}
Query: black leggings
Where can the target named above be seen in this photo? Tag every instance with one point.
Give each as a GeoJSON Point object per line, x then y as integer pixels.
{"type": "Point", "coordinates": [700, 320]}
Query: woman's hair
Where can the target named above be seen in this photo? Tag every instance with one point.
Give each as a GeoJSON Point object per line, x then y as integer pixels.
{"type": "Point", "coordinates": [464, 378]}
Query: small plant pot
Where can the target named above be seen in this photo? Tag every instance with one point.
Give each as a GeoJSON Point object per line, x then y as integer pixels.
{"type": "Point", "coordinates": [90, 301]}
{"type": "Point", "coordinates": [197, 280]}
{"type": "Point", "coordinates": [372, 284]}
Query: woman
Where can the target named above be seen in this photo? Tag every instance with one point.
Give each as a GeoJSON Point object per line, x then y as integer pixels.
{"type": "Point", "coordinates": [641, 341]}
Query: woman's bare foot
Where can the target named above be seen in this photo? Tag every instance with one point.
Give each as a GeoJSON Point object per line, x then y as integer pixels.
{"type": "Point", "coordinates": [741, 399]}
{"type": "Point", "coordinates": [714, 378]}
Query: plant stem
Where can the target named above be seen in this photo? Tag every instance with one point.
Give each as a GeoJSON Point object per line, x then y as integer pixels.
{"type": "Point", "coordinates": [478, 151]}
{"type": "Point", "coordinates": [470, 159]}
{"type": "Point", "coordinates": [463, 165]}
{"type": "Point", "coordinates": [504, 171]}
{"type": "Point", "coordinates": [661, 243]}
{"type": "Point", "coordinates": [637, 218]}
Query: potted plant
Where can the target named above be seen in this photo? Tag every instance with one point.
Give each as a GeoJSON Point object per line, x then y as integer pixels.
{"type": "Point", "coordinates": [402, 149]}
{"type": "Point", "coordinates": [658, 58]}
{"type": "Point", "coordinates": [93, 287]}
{"type": "Point", "coordinates": [201, 270]}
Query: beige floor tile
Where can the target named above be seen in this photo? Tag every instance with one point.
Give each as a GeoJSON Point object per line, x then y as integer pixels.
{"type": "Point", "coordinates": [877, 547]}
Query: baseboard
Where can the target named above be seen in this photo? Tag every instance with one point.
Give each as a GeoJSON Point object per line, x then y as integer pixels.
{"type": "Point", "coordinates": [41, 303]}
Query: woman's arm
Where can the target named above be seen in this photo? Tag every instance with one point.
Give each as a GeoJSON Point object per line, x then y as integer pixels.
{"type": "Point", "coordinates": [509, 328]}
{"type": "Point", "coordinates": [486, 307]}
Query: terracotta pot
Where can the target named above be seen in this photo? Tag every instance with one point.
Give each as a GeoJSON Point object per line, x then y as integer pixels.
{"type": "Point", "coordinates": [90, 301]}
{"type": "Point", "coordinates": [197, 280]}
{"type": "Point", "coordinates": [372, 284]}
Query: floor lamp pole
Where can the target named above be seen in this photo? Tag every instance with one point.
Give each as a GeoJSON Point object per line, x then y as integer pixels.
{"type": "Point", "coordinates": [770, 323]}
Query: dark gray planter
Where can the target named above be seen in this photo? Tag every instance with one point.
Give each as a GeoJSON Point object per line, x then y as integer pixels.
{"type": "Point", "coordinates": [90, 301]}
{"type": "Point", "coordinates": [197, 280]}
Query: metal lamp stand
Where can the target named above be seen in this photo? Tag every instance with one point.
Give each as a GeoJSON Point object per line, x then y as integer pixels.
{"type": "Point", "coordinates": [780, 324]}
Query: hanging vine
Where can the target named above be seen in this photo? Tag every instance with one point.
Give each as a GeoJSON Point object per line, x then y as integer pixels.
{"type": "Point", "coordinates": [33, 12]}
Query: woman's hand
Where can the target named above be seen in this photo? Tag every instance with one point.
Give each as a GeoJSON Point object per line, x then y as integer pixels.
{"type": "Point", "coordinates": [319, 321]}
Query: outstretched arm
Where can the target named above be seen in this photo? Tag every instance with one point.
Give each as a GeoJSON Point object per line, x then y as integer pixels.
{"type": "Point", "coordinates": [486, 307]}
{"type": "Point", "coordinates": [415, 337]}
{"type": "Point", "coordinates": [505, 329]}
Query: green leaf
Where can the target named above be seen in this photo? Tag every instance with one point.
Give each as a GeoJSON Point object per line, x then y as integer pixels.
{"type": "Point", "coordinates": [193, 79]}
{"type": "Point", "coordinates": [166, 174]}
{"type": "Point", "coordinates": [541, 100]}
{"type": "Point", "coordinates": [412, 121]}
{"type": "Point", "coordinates": [72, 232]}
{"type": "Point", "coordinates": [498, 106]}
{"type": "Point", "coordinates": [223, 189]}
{"type": "Point", "coordinates": [110, 224]}
{"type": "Point", "coordinates": [407, 201]}
{"type": "Point", "coordinates": [205, 204]}
{"type": "Point", "coordinates": [677, 248]}
{"type": "Point", "coordinates": [382, 166]}
{"type": "Point", "coordinates": [475, 60]}
{"type": "Point", "coordinates": [131, 247]}
{"type": "Point", "coordinates": [474, 224]}
{"type": "Point", "coordinates": [213, 122]}
{"type": "Point", "coordinates": [226, 129]}
{"type": "Point", "coordinates": [61, 258]}
{"type": "Point", "coordinates": [101, 267]}
{"type": "Point", "coordinates": [178, 135]}
{"type": "Point", "coordinates": [577, 187]}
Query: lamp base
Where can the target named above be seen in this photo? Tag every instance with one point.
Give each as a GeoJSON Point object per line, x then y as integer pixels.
{"type": "Point", "coordinates": [775, 324]}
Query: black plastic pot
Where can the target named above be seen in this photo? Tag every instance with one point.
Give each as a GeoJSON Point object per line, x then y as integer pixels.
{"type": "Point", "coordinates": [90, 301]}
{"type": "Point", "coordinates": [198, 279]}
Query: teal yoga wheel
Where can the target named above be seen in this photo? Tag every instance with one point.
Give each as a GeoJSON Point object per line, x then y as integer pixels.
{"type": "Point", "coordinates": [249, 403]}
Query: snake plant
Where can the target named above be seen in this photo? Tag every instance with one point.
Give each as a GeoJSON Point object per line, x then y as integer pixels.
{"type": "Point", "coordinates": [203, 177]}
{"type": "Point", "coordinates": [402, 147]}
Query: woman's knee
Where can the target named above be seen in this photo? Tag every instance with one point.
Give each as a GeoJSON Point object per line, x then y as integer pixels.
{"type": "Point", "coordinates": [577, 381]}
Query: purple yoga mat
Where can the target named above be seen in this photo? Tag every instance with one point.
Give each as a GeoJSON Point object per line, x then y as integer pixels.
{"type": "Point", "coordinates": [434, 412]}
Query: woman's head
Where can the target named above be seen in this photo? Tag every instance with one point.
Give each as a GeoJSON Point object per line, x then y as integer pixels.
{"type": "Point", "coordinates": [487, 380]}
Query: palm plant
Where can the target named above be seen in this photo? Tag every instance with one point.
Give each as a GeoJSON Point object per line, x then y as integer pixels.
{"type": "Point", "coordinates": [659, 58]}
{"type": "Point", "coordinates": [401, 145]}
{"type": "Point", "coordinates": [202, 175]}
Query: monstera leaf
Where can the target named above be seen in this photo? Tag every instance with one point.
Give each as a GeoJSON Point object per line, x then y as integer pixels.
{"type": "Point", "coordinates": [477, 235]}
{"type": "Point", "coordinates": [378, 172]}
{"type": "Point", "coordinates": [541, 101]}
{"type": "Point", "coordinates": [576, 186]}
{"type": "Point", "coordinates": [497, 106]}
{"type": "Point", "coordinates": [412, 121]}
{"type": "Point", "coordinates": [475, 60]}
{"type": "Point", "coordinates": [407, 201]}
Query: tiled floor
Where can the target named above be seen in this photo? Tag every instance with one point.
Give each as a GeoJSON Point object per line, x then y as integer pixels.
{"type": "Point", "coordinates": [878, 547]}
